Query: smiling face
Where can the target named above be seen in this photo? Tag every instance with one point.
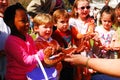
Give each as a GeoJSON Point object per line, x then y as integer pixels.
{"type": "Point", "coordinates": [45, 30]}
{"type": "Point", "coordinates": [83, 9]}
{"type": "Point", "coordinates": [106, 21]}
{"type": "Point", "coordinates": [21, 21]}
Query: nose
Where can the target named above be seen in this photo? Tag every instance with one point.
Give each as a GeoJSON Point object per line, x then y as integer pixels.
{"type": "Point", "coordinates": [107, 22]}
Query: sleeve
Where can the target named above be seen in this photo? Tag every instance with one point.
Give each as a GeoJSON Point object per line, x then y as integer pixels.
{"type": "Point", "coordinates": [20, 53]}
{"type": "Point", "coordinates": [35, 6]}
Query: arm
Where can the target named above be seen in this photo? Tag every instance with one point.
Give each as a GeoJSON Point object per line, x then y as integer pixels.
{"type": "Point", "coordinates": [37, 6]}
{"type": "Point", "coordinates": [107, 66]}
{"type": "Point", "coordinates": [21, 51]}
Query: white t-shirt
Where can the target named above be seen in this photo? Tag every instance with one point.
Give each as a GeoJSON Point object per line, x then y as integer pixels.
{"type": "Point", "coordinates": [4, 32]}
{"type": "Point", "coordinates": [80, 26]}
{"type": "Point", "coordinates": [105, 37]}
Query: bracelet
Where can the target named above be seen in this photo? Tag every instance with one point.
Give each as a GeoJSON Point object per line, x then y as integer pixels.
{"type": "Point", "coordinates": [87, 62]}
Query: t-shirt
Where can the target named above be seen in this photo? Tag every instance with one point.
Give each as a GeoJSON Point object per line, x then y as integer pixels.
{"type": "Point", "coordinates": [105, 37]}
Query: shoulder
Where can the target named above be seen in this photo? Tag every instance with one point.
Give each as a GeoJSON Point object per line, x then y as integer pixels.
{"type": "Point", "coordinates": [98, 28]}
{"type": "Point", "coordinates": [72, 19]}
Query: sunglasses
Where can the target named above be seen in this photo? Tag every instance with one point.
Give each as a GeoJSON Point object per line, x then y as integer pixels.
{"type": "Point", "coordinates": [83, 7]}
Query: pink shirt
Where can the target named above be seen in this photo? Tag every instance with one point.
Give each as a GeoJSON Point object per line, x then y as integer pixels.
{"type": "Point", "coordinates": [20, 57]}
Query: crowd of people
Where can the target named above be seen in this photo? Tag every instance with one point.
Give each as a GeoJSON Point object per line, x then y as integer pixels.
{"type": "Point", "coordinates": [79, 49]}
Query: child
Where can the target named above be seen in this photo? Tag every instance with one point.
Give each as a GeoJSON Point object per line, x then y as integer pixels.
{"type": "Point", "coordinates": [115, 43]}
{"type": "Point", "coordinates": [20, 49]}
{"type": "Point", "coordinates": [61, 18]}
{"type": "Point", "coordinates": [63, 35]}
{"type": "Point", "coordinates": [104, 31]}
{"type": "Point", "coordinates": [105, 34]}
{"type": "Point", "coordinates": [43, 25]}
{"type": "Point", "coordinates": [81, 24]}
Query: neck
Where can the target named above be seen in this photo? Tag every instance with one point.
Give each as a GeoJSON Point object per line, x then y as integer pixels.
{"type": "Point", "coordinates": [82, 19]}
{"type": "Point", "coordinates": [1, 14]}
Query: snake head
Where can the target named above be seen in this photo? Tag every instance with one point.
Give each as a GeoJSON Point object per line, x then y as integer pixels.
{"type": "Point", "coordinates": [53, 56]}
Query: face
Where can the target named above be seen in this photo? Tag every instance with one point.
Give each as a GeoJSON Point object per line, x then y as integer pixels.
{"type": "Point", "coordinates": [45, 30]}
{"type": "Point", "coordinates": [62, 24]}
{"type": "Point", "coordinates": [83, 9]}
{"type": "Point", "coordinates": [106, 21]}
{"type": "Point", "coordinates": [3, 5]}
{"type": "Point", "coordinates": [21, 22]}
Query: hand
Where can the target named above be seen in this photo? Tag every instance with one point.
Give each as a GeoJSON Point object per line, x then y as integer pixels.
{"type": "Point", "coordinates": [75, 59]}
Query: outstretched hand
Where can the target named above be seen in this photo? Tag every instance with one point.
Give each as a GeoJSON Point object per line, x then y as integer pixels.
{"type": "Point", "coordinates": [75, 59]}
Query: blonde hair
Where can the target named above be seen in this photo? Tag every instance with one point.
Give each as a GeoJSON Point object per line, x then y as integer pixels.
{"type": "Point", "coordinates": [60, 13]}
{"type": "Point", "coordinates": [75, 5]}
{"type": "Point", "coordinates": [43, 18]}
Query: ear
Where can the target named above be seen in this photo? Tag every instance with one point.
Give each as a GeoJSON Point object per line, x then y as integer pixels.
{"type": "Point", "coordinates": [36, 28]}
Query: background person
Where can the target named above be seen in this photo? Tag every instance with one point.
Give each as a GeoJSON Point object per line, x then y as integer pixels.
{"type": "Point", "coordinates": [44, 6]}
{"type": "Point", "coordinates": [4, 32]}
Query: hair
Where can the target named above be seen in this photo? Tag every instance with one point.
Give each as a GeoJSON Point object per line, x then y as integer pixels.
{"type": "Point", "coordinates": [60, 13]}
{"type": "Point", "coordinates": [75, 5]}
{"type": "Point", "coordinates": [117, 13]}
{"type": "Point", "coordinates": [9, 16]}
{"type": "Point", "coordinates": [43, 18]}
{"type": "Point", "coordinates": [32, 14]}
{"type": "Point", "coordinates": [107, 10]}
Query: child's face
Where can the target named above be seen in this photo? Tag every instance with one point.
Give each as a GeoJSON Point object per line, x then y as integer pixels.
{"type": "Point", "coordinates": [21, 21]}
{"type": "Point", "coordinates": [62, 24]}
{"type": "Point", "coordinates": [106, 21]}
{"type": "Point", "coordinates": [45, 30]}
{"type": "Point", "coordinates": [83, 9]}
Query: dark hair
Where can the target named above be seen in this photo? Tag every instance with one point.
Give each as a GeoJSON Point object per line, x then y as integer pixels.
{"type": "Point", "coordinates": [117, 13]}
{"type": "Point", "coordinates": [9, 16]}
{"type": "Point", "coordinates": [32, 14]}
{"type": "Point", "coordinates": [108, 10]}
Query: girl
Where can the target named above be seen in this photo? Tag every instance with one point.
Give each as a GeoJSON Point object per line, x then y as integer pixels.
{"type": "Point", "coordinates": [115, 43]}
{"type": "Point", "coordinates": [81, 24]}
{"type": "Point", "coordinates": [105, 34]}
{"type": "Point", "coordinates": [104, 31]}
{"type": "Point", "coordinates": [19, 47]}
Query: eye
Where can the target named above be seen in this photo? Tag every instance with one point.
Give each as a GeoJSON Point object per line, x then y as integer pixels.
{"type": "Point", "coordinates": [25, 21]}
{"type": "Point", "coordinates": [62, 22]}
